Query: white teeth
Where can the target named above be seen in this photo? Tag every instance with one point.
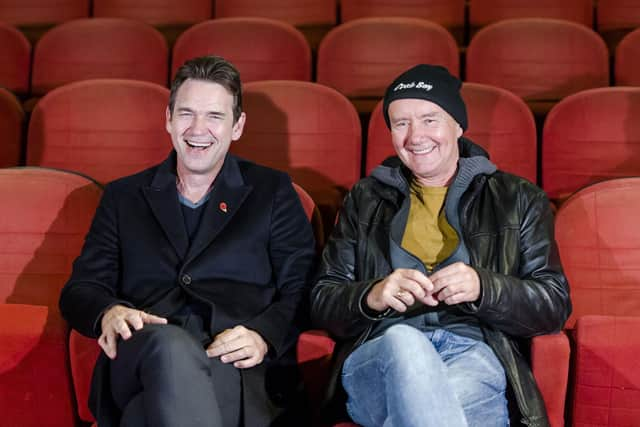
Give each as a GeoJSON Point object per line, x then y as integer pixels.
{"type": "Point", "coordinates": [198, 144]}
{"type": "Point", "coordinates": [425, 150]}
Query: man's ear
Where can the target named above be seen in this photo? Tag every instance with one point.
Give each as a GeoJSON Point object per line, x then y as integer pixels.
{"type": "Point", "coordinates": [238, 127]}
{"type": "Point", "coordinates": [167, 123]}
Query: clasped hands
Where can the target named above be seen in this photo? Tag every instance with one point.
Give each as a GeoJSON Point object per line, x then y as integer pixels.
{"type": "Point", "coordinates": [243, 347]}
{"type": "Point", "coordinates": [452, 284]}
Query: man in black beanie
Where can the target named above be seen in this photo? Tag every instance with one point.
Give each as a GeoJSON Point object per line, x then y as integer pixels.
{"type": "Point", "coordinates": [439, 267]}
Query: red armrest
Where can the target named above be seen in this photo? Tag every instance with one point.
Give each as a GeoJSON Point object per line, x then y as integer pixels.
{"type": "Point", "coordinates": [314, 356]}
{"type": "Point", "coordinates": [83, 353]}
{"type": "Point", "coordinates": [550, 366]}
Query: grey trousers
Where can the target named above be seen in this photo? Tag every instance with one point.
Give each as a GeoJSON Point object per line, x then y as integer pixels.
{"type": "Point", "coordinates": [163, 377]}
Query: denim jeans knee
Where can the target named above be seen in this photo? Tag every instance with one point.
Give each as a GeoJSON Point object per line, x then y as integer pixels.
{"type": "Point", "coordinates": [419, 380]}
{"type": "Point", "coordinates": [407, 375]}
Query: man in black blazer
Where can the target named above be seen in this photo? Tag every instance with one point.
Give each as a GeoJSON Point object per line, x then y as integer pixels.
{"type": "Point", "coordinates": [193, 275]}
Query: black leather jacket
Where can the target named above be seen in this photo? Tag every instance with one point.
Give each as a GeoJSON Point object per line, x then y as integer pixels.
{"type": "Point", "coordinates": [507, 226]}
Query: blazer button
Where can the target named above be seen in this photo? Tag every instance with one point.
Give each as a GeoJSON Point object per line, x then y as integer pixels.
{"type": "Point", "coordinates": [186, 279]}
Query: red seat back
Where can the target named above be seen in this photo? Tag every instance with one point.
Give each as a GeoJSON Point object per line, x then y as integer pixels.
{"type": "Point", "coordinates": [11, 123]}
{"type": "Point", "coordinates": [484, 12]}
{"type": "Point", "coordinates": [260, 48]}
{"type": "Point", "coordinates": [105, 128]}
{"type": "Point", "coordinates": [591, 136]}
{"type": "Point", "coordinates": [155, 12]}
{"type": "Point", "coordinates": [15, 59]}
{"type": "Point", "coordinates": [538, 59]}
{"type": "Point", "coordinates": [598, 235]}
{"type": "Point", "coordinates": [42, 12]}
{"type": "Point", "coordinates": [627, 60]}
{"type": "Point", "coordinates": [295, 12]}
{"type": "Point", "coordinates": [308, 130]}
{"type": "Point", "coordinates": [617, 15]}
{"type": "Point", "coordinates": [360, 58]}
{"type": "Point", "coordinates": [448, 13]}
{"type": "Point", "coordinates": [99, 48]}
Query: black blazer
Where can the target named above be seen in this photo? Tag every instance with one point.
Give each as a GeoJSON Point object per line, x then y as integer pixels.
{"type": "Point", "coordinates": [249, 262]}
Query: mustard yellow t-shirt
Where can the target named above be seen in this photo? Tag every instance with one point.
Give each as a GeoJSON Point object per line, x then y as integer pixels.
{"type": "Point", "coordinates": [428, 235]}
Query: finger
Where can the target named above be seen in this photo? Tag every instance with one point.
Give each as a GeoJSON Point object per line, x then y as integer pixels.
{"type": "Point", "coordinates": [248, 363]}
{"type": "Point", "coordinates": [445, 281]}
{"type": "Point", "coordinates": [239, 354]}
{"type": "Point", "coordinates": [218, 348]}
{"type": "Point", "coordinates": [393, 302]}
{"type": "Point", "coordinates": [229, 335]}
{"type": "Point", "coordinates": [419, 279]}
{"type": "Point", "coordinates": [455, 299]}
{"type": "Point", "coordinates": [135, 319]}
{"type": "Point", "coordinates": [455, 296]}
{"type": "Point", "coordinates": [122, 328]}
{"type": "Point", "coordinates": [151, 318]}
{"type": "Point", "coordinates": [450, 269]}
{"type": "Point", "coordinates": [107, 343]}
{"type": "Point", "coordinates": [405, 297]}
{"type": "Point", "coordinates": [459, 289]}
{"type": "Point", "coordinates": [448, 275]}
{"type": "Point", "coordinates": [416, 290]}
{"type": "Point", "coordinates": [430, 299]}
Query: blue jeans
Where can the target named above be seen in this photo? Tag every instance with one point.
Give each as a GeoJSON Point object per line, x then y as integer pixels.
{"type": "Point", "coordinates": [407, 377]}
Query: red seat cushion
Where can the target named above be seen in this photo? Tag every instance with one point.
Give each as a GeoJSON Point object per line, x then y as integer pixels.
{"type": "Point", "coordinates": [23, 326]}
{"type": "Point", "coordinates": [607, 389]}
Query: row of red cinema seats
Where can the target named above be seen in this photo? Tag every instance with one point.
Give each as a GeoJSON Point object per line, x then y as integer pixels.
{"type": "Point", "coordinates": [108, 128]}
{"type": "Point", "coordinates": [604, 15]}
{"type": "Point", "coordinates": [45, 372]}
{"type": "Point", "coordinates": [540, 60]}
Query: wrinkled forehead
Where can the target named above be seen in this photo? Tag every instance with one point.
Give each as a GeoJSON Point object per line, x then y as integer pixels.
{"type": "Point", "coordinates": [204, 93]}
{"type": "Point", "coordinates": [415, 107]}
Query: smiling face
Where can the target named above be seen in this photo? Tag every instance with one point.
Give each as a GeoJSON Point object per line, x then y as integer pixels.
{"type": "Point", "coordinates": [202, 128]}
{"type": "Point", "coordinates": [425, 138]}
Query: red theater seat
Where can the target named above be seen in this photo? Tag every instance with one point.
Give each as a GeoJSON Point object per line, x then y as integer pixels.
{"type": "Point", "coordinates": [499, 121]}
{"type": "Point", "coordinates": [155, 12]}
{"type": "Point", "coordinates": [360, 58]}
{"type": "Point", "coordinates": [94, 48]}
{"type": "Point", "coordinates": [11, 124]}
{"type": "Point", "coordinates": [260, 48]}
{"type": "Point", "coordinates": [42, 12]}
{"type": "Point", "coordinates": [42, 229]}
{"type": "Point", "coordinates": [591, 136]}
{"type": "Point", "coordinates": [541, 60]}
{"type": "Point", "coordinates": [15, 59]}
{"type": "Point", "coordinates": [599, 239]}
{"type": "Point", "coordinates": [308, 130]}
{"type": "Point", "coordinates": [295, 12]}
{"type": "Point", "coordinates": [615, 18]}
{"type": "Point", "coordinates": [105, 128]}
{"type": "Point", "coordinates": [448, 13]}
{"type": "Point", "coordinates": [627, 60]}
{"type": "Point", "coordinates": [485, 12]}
{"type": "Point", "coordinates": [313, 17]}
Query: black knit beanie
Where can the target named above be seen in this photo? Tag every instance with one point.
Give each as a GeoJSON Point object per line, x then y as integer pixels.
{"type": "Point", "coordinates": [432, 83]}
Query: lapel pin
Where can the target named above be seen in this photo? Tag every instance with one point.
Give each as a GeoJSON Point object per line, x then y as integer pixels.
{"type": "Point", "coordinates": [223, 207]}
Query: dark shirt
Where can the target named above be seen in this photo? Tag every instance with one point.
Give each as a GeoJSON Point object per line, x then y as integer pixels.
{"type": "Point", "coordinates": [195, 315]}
